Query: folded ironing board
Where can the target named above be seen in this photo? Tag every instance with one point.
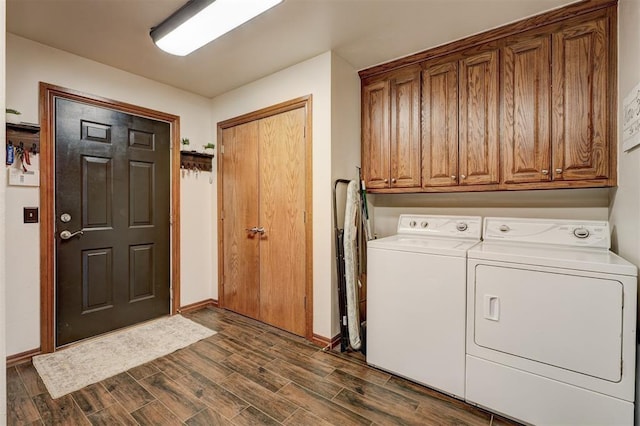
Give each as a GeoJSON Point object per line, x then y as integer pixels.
{"type": "Point", "coordinates": [351, 220]}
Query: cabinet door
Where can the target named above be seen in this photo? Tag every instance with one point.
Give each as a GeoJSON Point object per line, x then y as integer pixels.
{"type": "Point", "coordinates": [580, 134]}
{"type": "Point", "coordinates": [440, 124]}
{"type": "Point", "coordinates": [478, 141]}
{"type": "Point", "coordinates": [526, 136]}
{"type": "Point", "coordinates": [405, 128]}
{"type": "Point", "coordinates": [375, 134]}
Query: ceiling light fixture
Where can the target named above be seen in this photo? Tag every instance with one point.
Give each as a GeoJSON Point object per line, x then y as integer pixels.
{"type": "Point", "coordinates": [199, 22]}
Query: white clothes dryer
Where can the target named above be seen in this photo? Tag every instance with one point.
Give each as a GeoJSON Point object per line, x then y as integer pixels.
{"type": "Point", "coordinates": [416, 299]}
{"type": "Point", "coordinates": [551, 323]}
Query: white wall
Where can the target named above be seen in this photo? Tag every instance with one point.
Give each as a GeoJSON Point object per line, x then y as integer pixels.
{"type": "Point", "coordinates": [309, 77]}
{"type": "Point", "coordinates": [345, 148]}
{"type": "Point", "coordinates": [28, 63]}
{"type": "Point", "coordinates": [3, 224]}
{"type": "Point", "coordinates": [625, 204]}
{"type": "Point", "coordinates": [588, 204]}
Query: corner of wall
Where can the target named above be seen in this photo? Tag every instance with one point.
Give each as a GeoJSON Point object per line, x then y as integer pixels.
{"type": "Point", "coordinates": [3, 183]}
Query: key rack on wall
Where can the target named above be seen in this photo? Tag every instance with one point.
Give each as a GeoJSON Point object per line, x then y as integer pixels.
{"type": "Point", "coordinates": [27, 134]}
{"type": "Point", "coordinates": [192, 160]}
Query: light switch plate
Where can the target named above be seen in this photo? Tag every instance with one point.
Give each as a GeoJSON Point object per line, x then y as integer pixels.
{"type": "Point", "coordinates": [30, 215]}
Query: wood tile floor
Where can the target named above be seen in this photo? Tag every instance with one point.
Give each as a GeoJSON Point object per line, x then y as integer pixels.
{"type": "Point", "coordinates": [247, 374]}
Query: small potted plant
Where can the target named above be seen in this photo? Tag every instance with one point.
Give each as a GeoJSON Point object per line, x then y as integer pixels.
{"type": "Point", "coordinates": [13, 116]}
{"type": "Point", "coordinates": [184, 143]}
{"type": "Point", "coordinates": [208, 148]}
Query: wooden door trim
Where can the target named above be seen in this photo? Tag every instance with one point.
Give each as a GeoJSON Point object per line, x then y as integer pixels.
{"type": "Point", "coordinates": [301, 102]}
{"type": "Point", "coordinates": [47, 197]}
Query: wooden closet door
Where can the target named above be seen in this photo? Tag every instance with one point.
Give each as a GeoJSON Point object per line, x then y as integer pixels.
{"type": "Point", "coordinates": [282, 215]}
{"type": "Point", "coordinates": [241, 267]}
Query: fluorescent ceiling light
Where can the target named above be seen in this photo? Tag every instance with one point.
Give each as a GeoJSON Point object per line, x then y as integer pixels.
{"type": "Point", "coordinates": [201, 21]}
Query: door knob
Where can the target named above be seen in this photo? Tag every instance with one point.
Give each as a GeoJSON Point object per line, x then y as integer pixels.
{"type": "Point", "coordinates": [261, 230]}
{"type": "Point", "coordinates": [65, 235]}
{"type": "Point", "coordinates": [252, 230]}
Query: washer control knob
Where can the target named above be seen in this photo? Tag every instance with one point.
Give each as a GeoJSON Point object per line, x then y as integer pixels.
{"type": "Point", "coordinates": [412, 224]}
{"type": "Point", "coordinates": [461, 226]}
{"type": "Point", "coordinates": [504, 228]}
{"type": "Point", "coordinates": [424, 224]}
{"type": "Point", "coordinates": [581, 232]}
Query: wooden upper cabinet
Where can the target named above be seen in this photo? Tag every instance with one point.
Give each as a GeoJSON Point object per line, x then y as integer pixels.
{"type": "Point", "coordinates": [405, 128]}
{"type": "Point", "coordinates": [526, 133]}
{"type": "Point", "coordinates": [531, 105]}
{"type": "Point", "coordinates": [478, 143]}
{"type": "Point", "coordinates": [580, 132]}
{"type": "Point", "coordinates": [391, 130]}
{"type": "Point", "coordinates": [440, 124]}
{"type": "Point", "coordinates": [375, 134]}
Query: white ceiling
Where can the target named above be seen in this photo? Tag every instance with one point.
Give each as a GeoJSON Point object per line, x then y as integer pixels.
{"type": "Point", "coordinates": [363, 32]}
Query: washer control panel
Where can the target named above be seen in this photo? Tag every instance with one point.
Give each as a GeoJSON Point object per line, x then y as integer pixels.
{"type": "Point", "coordinates": [561, 232]}
{"type": "Point", "coordinates": [444, 226]}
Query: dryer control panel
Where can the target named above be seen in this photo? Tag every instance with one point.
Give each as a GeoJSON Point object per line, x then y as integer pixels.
{"type": "Point", "coordinates": [441, 226]}
{"type": "Point", "coordinates": [560, 232]}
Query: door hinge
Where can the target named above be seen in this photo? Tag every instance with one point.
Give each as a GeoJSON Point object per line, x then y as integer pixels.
{"type": "Point", "coordinates": [171, 219]}
{"type": "Point", "coordinates": [221, 149]}
{"type": "Point", "coordinates": [222, 215]}
{"type": "Point", "coordinates": [305, 302]}
{"type": "Point", "coordinates": [304, 216]}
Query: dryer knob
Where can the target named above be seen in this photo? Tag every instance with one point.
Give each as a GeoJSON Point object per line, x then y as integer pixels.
{"type": "Point", "coordinates": [412, 224]}
{"type": "Point", "coordinates": [461, 226]}
{"type": "Point", "coordinates": [581, 232]}
{"type": "Point", "coordinates": [504, 228]}
{"type": "Point", "coordinates": [424, 224]}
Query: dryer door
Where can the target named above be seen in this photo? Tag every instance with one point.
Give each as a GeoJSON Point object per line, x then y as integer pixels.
{"type": "Point", "coordinates": [567, 321]}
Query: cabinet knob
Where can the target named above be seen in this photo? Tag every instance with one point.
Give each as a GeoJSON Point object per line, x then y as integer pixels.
{"type": "Point", "coordinates": [386, 181]}
{"type": "Point", "coordinates": [393, 180]}
{"type": "Point", "coordinates": [544, 172]}
{"type": "Point", "coordinates": [559, 171]}
{"type": "Point", "coordinates": [453, 177]}
{"type": "Point", "coordinates": [463, 176]}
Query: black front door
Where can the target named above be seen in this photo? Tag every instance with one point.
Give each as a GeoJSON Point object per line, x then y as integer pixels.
{"type": "Point", "coordinates": [112, 204]}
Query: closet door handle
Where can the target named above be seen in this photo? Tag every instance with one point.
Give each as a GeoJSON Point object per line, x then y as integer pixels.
{"type": "Point", "coordinates": [252, 230]}
{"type": "Point", "coordinates": [261, 230]}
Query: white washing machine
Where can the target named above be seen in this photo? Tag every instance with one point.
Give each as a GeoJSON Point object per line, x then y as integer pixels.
{"type": "Point", "coordinates": [551, 323]}
{"type": "Point", "coordinates": [416, 284]}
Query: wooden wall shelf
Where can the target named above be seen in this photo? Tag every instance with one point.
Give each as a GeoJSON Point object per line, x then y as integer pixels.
{"type": "Point", "coordinates": [25, 127]}
{"type": "Point", "coordinates": [193, 160]}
